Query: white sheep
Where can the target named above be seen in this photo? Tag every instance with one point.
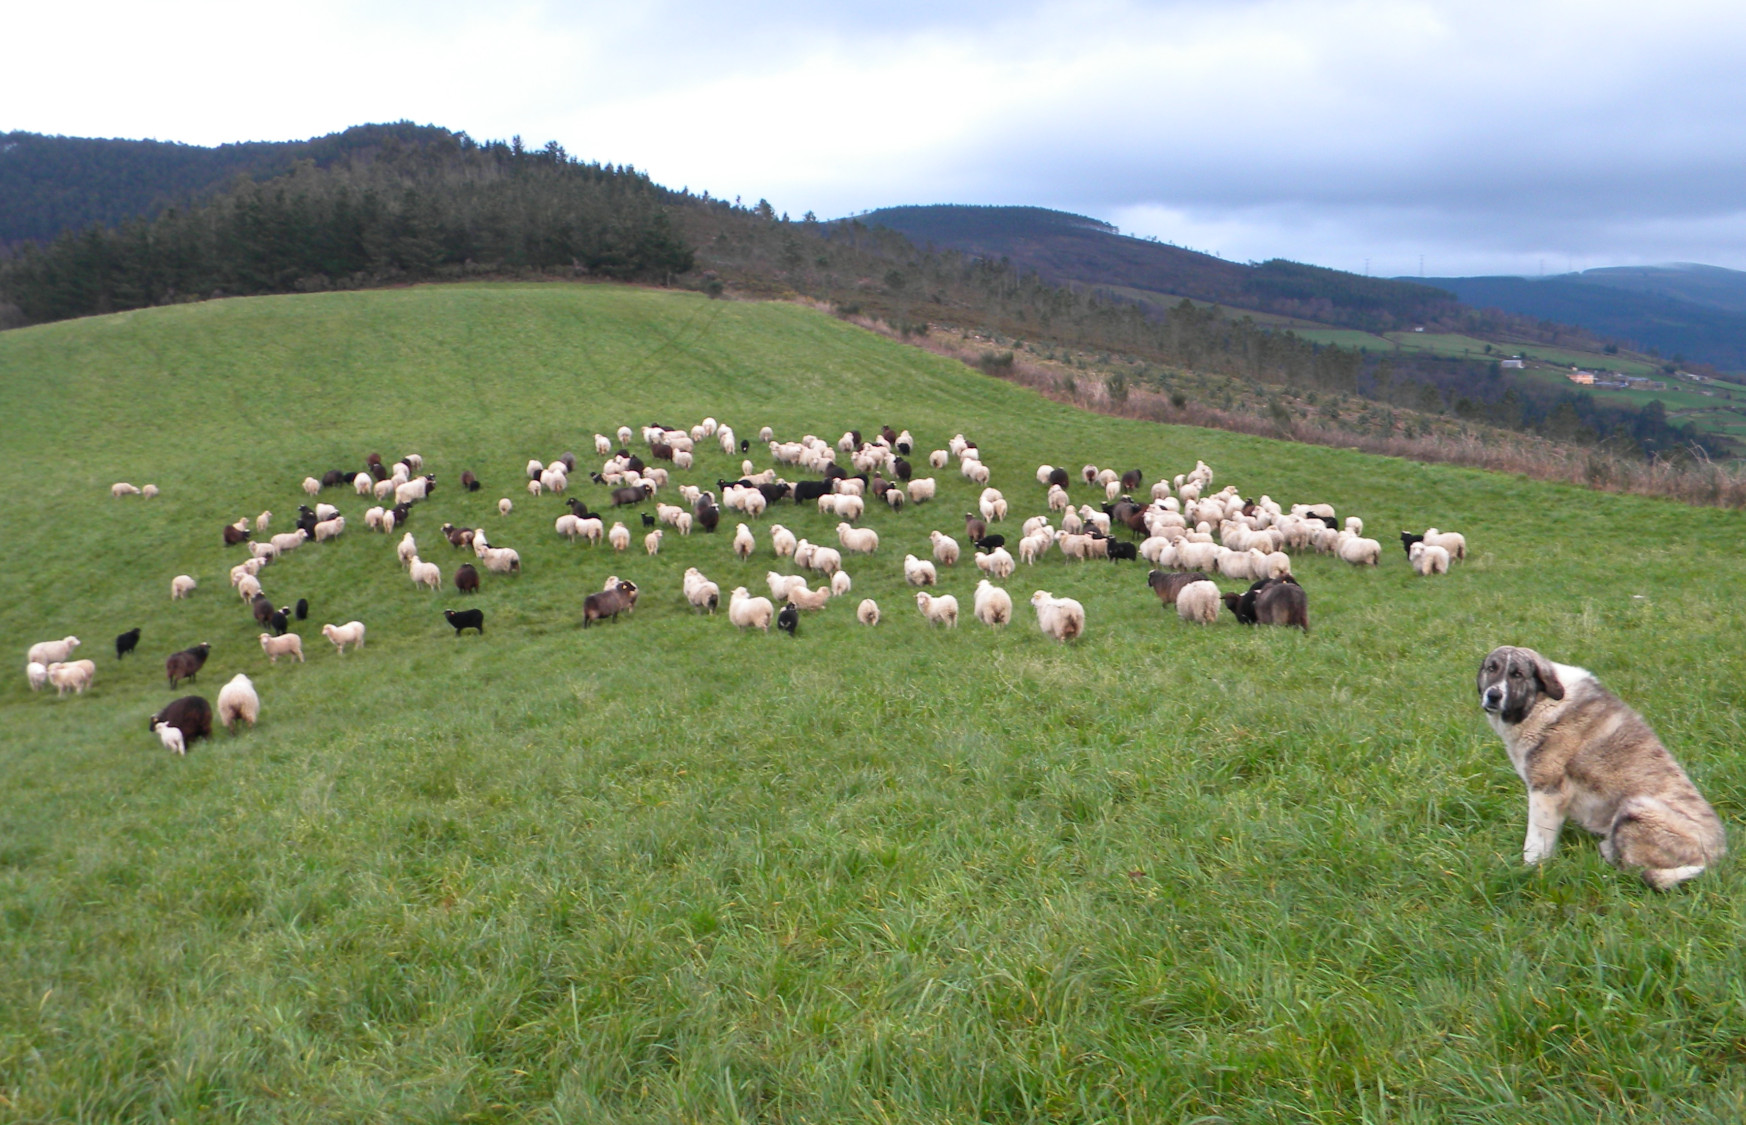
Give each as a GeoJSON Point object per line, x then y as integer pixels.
{"type": "Point", "coordinates": [149, 491]}
{"type": "Point", "coordinates": [861, 540]}
{"type": "Point", "coordinates": [37, 673]}
{"type": "Point", "coordinates": [264, 520]}
{"type": "Point", "coordinates": [373, 518]}
{"type": "Point", "coordinates": [619, 536]}
{"type": "Point", "coordinates": [170, 736]}
{"type": "Point", "coordinates": [502, 560]}
{"type": "Point", "coordinates": [826, 559]}
{"type": "Point", "coordinates": [1451, 541]}
{"type": "Point", "coordinates": [624, 435]}
{"type": "Point", "coordinates": [1199, 602]}
{"type": "Point", "coordinates": [384, 488]}
{"type": "Point", "coordinates": [505, 506]}
{"type": "Point", "coordinates": [744, 542]}
{"type": "Point", "coordinates": [919, 572]}
{"type": "Point", "coordinates": [72, 675]}
{"type": "Point", "coordinates": [809, 599]}
{"type": "Point", "coordinates": [351, 633]}
{"type": "Point", "coordinates": [568, 525]}
{"type": "Point", "coordinates": [939, 459]}
{"type": "Point", "coordinates": [746, 611]}
{"type": "Point", "coordinates": [288, 645]}
{"type": "Point", "coordinates": [782, 541]}
{"type": "Point", "coordinates": [330, 529]}
{"type": "Point", "coordinates": [1034, 547]}
{"type": "Point", "coordinates": [780, 584]}
{"type": "Point", "coordinates": [535, 468]}
{"type": "Point", "coordinates": [922, 489]}
{"type": "Point", "coordinates": [992, 605]}
{"type": "Point", "coordinates": [700, 591]}
{"type": "Point", "coordinates": [992, 505]}
{"type": "Point", "coordinates": [652, 541]}
{"type": "Point", "coordinates": [325, 512]}
{"type": "Point", "coordinates": [940, 610]}
{"type": "Point", "coordinates": [1061, 618]}
{"type": "Point", "coordinates": [287, 541]}
{"type": "Point", "coordinates": [121, 488]}
{"type": "Point", "coordinates": [425, 574]}
{"type": "Point", "coordinates": [311, 486]}
{"type": "Point", "coordinates": [407, 549]}
{"type": "Point", "coordinates": [1355, 525]}
{"type": "Point", "coordinates": [1428, 560]}
{"type": "Point", "coordinates": [867, 613]}
{"type": "Point", "coordinates": [1357, 550]}
{"type": "Point", "coordinates": [363, 483]}
{"type": "Point", "coordinates": [181, 586]}
{"type": "Point", "coordinates": [996, 563]}
{"type": "Point", "coordinates": [237, 700]}
{"type": "Point", "coordinates": [263, 553]}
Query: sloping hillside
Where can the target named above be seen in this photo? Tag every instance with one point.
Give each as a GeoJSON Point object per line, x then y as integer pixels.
{"type": "Point", "coordinates": [663, 869]}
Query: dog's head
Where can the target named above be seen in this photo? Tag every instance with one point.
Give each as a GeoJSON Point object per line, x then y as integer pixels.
{"type": "Point", "coordinates": [1512, 680]}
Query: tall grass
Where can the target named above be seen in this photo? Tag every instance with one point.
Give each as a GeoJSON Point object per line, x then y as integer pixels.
{"type": "Point", "coordinates": [661, 870]}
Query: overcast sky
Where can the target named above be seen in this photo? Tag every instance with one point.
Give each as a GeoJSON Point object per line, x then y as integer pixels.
{"type": "Point", "coordinates": [1488, 137]}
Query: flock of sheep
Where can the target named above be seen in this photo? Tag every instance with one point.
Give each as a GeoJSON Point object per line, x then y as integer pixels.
{"type": "Point", "coordinates": [1190, 534]}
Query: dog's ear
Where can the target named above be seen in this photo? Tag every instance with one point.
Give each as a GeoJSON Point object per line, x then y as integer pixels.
{"type": "Point", "coordinates": [1548, 677]}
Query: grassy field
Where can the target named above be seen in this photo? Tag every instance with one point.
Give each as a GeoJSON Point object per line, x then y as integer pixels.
{"type": "Point", "coordinates": [663, 871]}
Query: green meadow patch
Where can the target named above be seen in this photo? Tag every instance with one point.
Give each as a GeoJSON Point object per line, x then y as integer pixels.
{"type": "Point", "coordinates": [662, 870]}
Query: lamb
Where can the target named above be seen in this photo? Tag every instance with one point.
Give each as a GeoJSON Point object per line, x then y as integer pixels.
{"type": "Point", "coordinates": [1357, 550]}
{"type": "Point", "coordinates": [841, 583]}
{"type": "Point", "coordinates": [52, 652]}
{"type": "Point", "coordinates": [1061, 618]}
{"type": "Point", "coordinates": [744, 543]}
{"type": "Point", "coordinates": [237, 700]}
{"type": "Point", "coordinates": [288, 541]}
{"type": "Point", "coordinates": [74, 675]}
{"type": "Point", "coordinates": [185, 665]}
{"type": "Point", "coordinates": [126, 642]}
{"type": "Point", "coordinates": [351, 633]}
{"type": "Point", "coordinates": [992, 605]}
{"type": "Point", "coordinates": [1199, 602]}
{"type": "Point", "coordinates": [288, 645]}
{"type": "Point", "coordinates": [121, 488]}
{"type": "Point", "coordinates": [181, 586]}
{"type": "Point", "coordinates": [171, 737]}
{"type": "Point", "coordinates": [505, 506]}
{"type": "Point", "coordinates": [619, 536]}
{"type": "Point", "coordinates": [362, 483]}
{"type": "Point", "coordinates": [428, 575]}
{"type": "Point", "coordinates": [407, 550]}
{"type": "Point", "coordinates": [867, 613]}
{"type": "Point", "coordinates": [939, 459]}
{"type": "Point", "coordinates": [1428, 560]}
{"type": "Point", "coordinates": [325, 512]}
{"type": "Point", "coordinates": [919, 572]}
{"type": "Point", "coordinates": [1034, 547]}
{"type": "Point", "coordinates": [863, 540]}
{"type": "Point", "coordinates": [746, 611]}
{"type": "Point", "coordinates": [330, 529]}
{"type": "Point", "coordinates": [463, 619]}
{"type": "Point", "coordinates": [809, 599]}
{"type": "Point", "coordinates": [782, 541]}
{"type": "Point", "coordinates": [992, 505]}
{"type": "Point", "coordinates": [700, 591]}
{"type": "Point", "coordinates": [997, 563]}
{"type": "Point", "coordinates": [311, 485]}
{"type": "Point", "coordinates": [190, 715]}
{"type": "Point", "coordinates": [940, 610]}
{"type": "Point", "coordinates": [263, 520]}
{"type": "Point", "coordinates": [652, 541]}
{"type": "Point", "coordinates": [149, 491]}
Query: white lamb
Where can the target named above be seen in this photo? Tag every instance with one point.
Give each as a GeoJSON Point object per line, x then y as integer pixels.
{"type": "Point", "coordinates": [1061, 618]}
{"type": "Point", "coordinates": [37, 673]}
{"type": "Point", "coordinates": [425, 574]}
{"type": "Point", "coordinates": [149, 491]}
{"type": "Point", "coordinates": [72, 675]}
{"type": "Point", "coordinates": [362, 483]}
{"type": "Point", "coordinates": [237, 700]}
{"type": "Point", "coordinates": [502, 560]}
{"type": "Point", "coordinates": [311, 486]}
{"type": "Point", "coordinates": [942, 610]}
{"type": "Point", "coordinates": [782, 541]}
{"type": "Point", "coordinates": [841, 583]}
{"type": "Point", "coordinates": [619, 536]}
{"type": "Point", "coordinates": [867, 613]}
{"type": "Point", "coordinates": [652, 541]}
{"type": "Point", "coordinates": [939, 459]}
{"type": "Point", "coordinates": [748, 612]}
{"type": "Point", "coordinates": [992, 505]}
{"type": "Point", "coordinates": [263, 520]}
{"type": "Point", "coordinates": [919, 572]}
{"type": "Point", "coordinates": [325, 512]}
{"type": "Point", "coordinates": [700, 591]}
{"type": "Point", "coordinates": [946, 548]}
{"type": "Point", "coordinates": [992, 605]}
{"type": "Point", "coordinates": [407, 549]}
{"type": "Point", "coordinates": [505, 506]}
{"type": "Point", "coordinates": [861, 540]}
{"type": "Point", "coordinates": [263, 553]}
{"type": "Point", "coordinates": [997, 563]}
{"type": "Point", "coordinates": [121, 488]}
{"type": "Point", "coordinates": [287, 541]}
{"type": "Point", "coordinates": [1199, 602]}
{"type": "Point", "coordinates": [351, 633]}
{"type": "Point", "coordinates": [1034, 547]}
{"type": "Point", "coordinates": [330, 529]}
{"type": "Point", "coordinates": [1428, 560]}
{"type": "Point", "coordinates": [288, 645]}
{"type": "Point", "coordinates": [383, 489]}
{"type": "Point", "coordinates": [1357, 550]}
{"type": "Point", "coordinates": [181, 586]}
{"type": "Point", "coordinates": [809, 599]}
{"type": "Point", "coordinates": [170, 736]}
{"type": "Point", "coordinates": [744, 542]}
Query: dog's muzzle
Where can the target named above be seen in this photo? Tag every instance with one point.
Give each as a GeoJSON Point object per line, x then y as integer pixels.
{"type": "Point", "coordinates": [1492, 699]}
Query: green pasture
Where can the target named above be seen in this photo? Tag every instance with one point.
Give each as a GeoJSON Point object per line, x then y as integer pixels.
{"type": "Point", "coordinates": [660, 870]}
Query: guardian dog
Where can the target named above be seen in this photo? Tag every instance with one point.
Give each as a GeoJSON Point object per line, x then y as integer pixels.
{"type": "Point", "coordinates": [1584, 755]}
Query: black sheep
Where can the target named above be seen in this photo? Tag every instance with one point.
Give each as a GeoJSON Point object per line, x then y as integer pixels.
{"type": "Point", "coordinates": [1131, 480]}
{"type": "Point", "coordinates": [307, 524]}
{"type": "Point", "coordinates": [126, 642]}
{"type": "Point", "coordinates": [1167, 585]}
{"type": "Point", "coordinates": [190, 714]}
{"type": "Point", "coordinates": [185, 665]}
{"type": "Point", "coordinates": [648, 520]}
{"type": "Point", "coordinates": [609, 603]}
{"type": "Point", "coordinates": [579, 509]}
{"type": "Point", "coordinates": [1407, 539]}
{"type": "Point", "coordinates": [469, 481]}
{"type": "Point", "coordinates": [467, 579]}
{"type": "Point", "coordinates": [808, 491]}
{"type": "Point", "coordinates": [974, 527]}
{"type": "Point", "coordinates": [466, 619]}
{"type": "Point", "coordinates": [263, 609]}
{"type": "Point", "coordinates": [708, 515]}
{"type": "Point", "coordinates": [773, 492]}
{"type": "Point", "coordinates": [788, 619]}
{"type": "Point", "coordinates": [990, 542]}
{"type": "Point", "coordinates": [333, 478]}
{"type": "Point", "coordinates": [1058, 477]}
{"type": "Point", "coordinates": [568, 460]}
{"type": "Point", "coordinates": [745, 445]}
{"type": "Point", "coordinates": [302, 609]}
{"type": "Point", "coordinates": [234, 535]}
{"type": "Point", "coordinates": [1272, 601]}
{"type": "Point", "coordinates": [631, 494]}
{"type": "Point", "coordinates": [1120, 549]}
{"type": "Point", "coordinates": [402, 512]}
{"type": "Point", "coordinates": [902, 468]}
{"type": "Point", "coordinates": [281, 620]}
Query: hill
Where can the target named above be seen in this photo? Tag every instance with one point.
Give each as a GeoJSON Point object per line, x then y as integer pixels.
{"type": "Point", "coordinates": [661, 869]}
{"type": "Point", "coordinates": [1074, 249]}
{"type": "Point", "coordinates": [1696, 312]}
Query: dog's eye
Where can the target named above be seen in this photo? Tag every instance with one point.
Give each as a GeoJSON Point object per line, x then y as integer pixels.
{"type": "Point", "coordinates": [1516, 672]}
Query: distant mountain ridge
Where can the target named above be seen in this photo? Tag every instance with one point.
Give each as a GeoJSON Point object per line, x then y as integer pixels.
{"type": "Point", "coordinates": [1698, 312]}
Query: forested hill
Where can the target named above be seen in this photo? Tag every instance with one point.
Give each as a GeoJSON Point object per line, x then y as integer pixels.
{"type": "Point", "coordinates": [52, 184]}
{"type": "Point", "coordinates": [1073, 249]}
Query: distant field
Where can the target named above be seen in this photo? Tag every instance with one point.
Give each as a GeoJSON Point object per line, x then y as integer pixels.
{"type": "Point", "coordinates": [660, 870]}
